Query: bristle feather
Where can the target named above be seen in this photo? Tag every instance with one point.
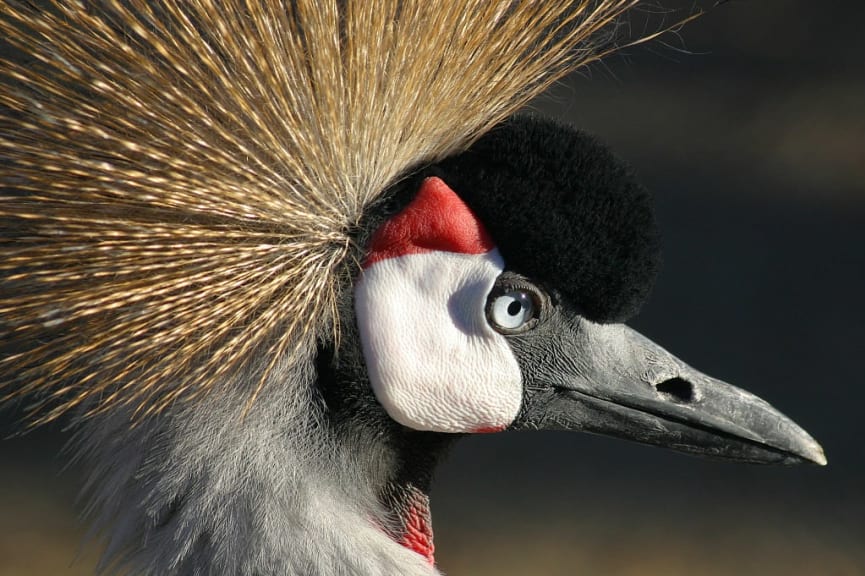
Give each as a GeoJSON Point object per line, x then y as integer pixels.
{"type": "Point", "coordinates": [180, 179]}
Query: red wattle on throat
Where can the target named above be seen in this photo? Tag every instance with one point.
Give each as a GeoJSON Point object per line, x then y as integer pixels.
{"type": "Point", "coordinates": [436, 220]}
{"type": "Point", "coordinates": [417, 534]}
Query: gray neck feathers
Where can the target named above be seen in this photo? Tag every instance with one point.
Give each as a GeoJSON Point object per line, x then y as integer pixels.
{"type": "Point", "coordinates": [204, 489]}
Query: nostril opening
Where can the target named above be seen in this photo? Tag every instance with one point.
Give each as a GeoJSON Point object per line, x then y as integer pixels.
{"type": "Point", "coordinates": [678, 389]}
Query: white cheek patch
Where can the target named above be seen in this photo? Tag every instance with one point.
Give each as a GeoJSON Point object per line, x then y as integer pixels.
{"type": "Point", "coordinates": [434, 362]}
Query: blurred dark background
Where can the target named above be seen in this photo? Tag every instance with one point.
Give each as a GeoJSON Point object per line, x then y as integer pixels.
{"type": "Point", "coordinates": [749, 127]}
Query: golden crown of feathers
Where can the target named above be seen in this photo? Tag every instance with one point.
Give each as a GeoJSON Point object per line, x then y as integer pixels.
{"type": "Point", "coordinates": [178, 180]}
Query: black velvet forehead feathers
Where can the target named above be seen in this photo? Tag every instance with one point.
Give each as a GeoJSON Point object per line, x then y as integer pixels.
{"type": "Point", "coordinates": [563, 211]}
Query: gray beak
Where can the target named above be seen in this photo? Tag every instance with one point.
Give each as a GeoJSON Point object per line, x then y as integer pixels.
{"type": "Point", "coordinates": [609, 379]}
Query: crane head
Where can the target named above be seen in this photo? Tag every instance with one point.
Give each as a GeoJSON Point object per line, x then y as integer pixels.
{"type": "Point", "coordinates": [492, 298]}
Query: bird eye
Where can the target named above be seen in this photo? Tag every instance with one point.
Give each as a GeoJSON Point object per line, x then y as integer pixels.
{"type": "Point", "coordinates": [512, 311]}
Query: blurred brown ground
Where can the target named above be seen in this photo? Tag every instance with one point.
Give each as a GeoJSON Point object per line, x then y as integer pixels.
{"type": "Point", "coordinates": [754, 145]}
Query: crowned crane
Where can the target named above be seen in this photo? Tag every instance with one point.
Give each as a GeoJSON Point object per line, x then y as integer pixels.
{"type": "Point", "coordinates": [279, 258]}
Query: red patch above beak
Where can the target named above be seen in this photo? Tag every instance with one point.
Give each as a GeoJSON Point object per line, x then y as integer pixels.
{"type": "Point", "coordinates": [436, 220]}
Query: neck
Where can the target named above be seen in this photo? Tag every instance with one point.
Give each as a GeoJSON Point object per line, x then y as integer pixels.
{"type": "Point", "coordinates": [205, 488]}
{"type": "Point", "coordinates": [406, 496]}
{"type": "Point", "coordinates": [410, 456]}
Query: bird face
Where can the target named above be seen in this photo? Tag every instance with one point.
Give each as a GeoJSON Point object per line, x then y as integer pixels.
{"type": "Point", "coordinates": [436, 361]}
{"type": "Point", "coordinates": [493, 300]}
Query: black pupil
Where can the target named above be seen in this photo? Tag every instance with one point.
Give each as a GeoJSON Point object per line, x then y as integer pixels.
{"type": "Point", "coordinates": [515, 307]}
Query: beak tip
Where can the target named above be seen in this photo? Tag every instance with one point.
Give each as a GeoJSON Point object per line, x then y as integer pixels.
{"type": "Point", "coordinates": [817, 456]}
{"type": "Point", "coordinates": [810, 451]}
